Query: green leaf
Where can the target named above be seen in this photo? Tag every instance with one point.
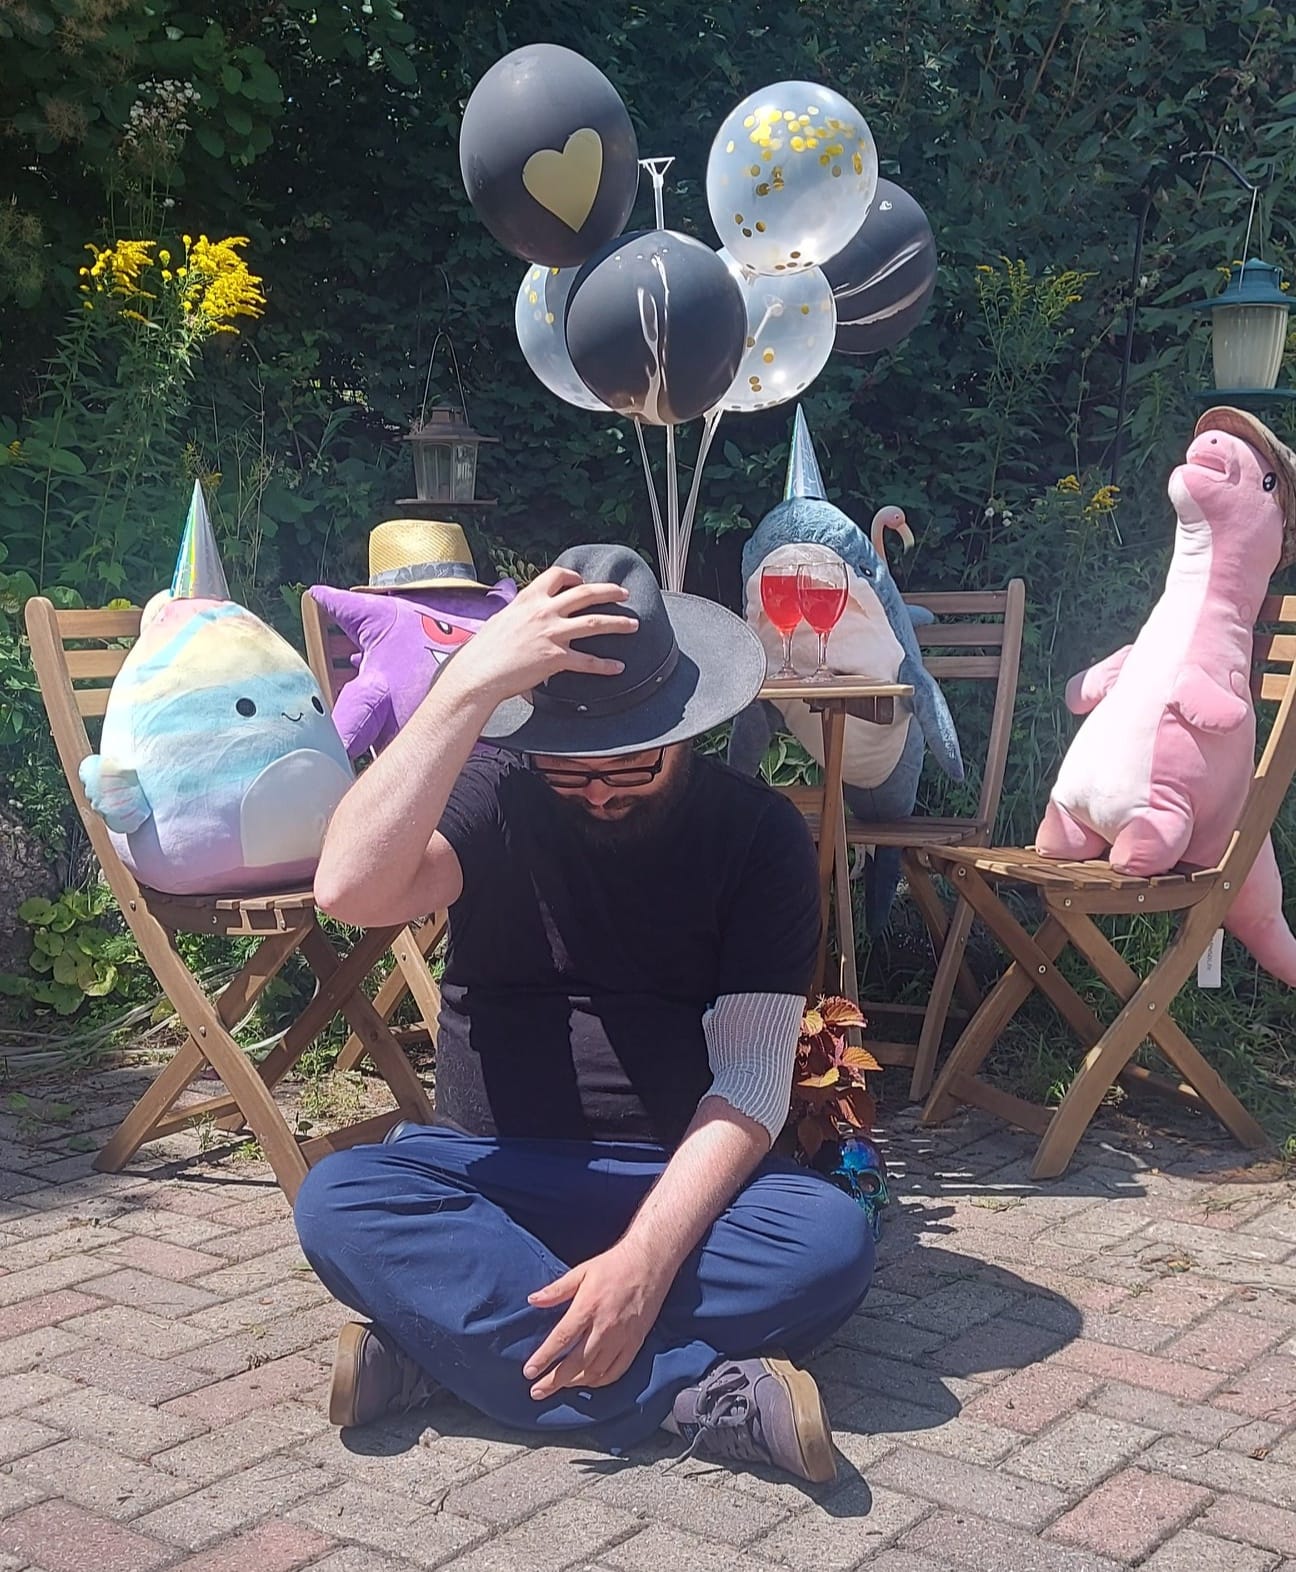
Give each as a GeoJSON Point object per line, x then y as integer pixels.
{"type": "Point", "coordinates": [103, 983]}
{"type": "Point", "coordinates": [66, 968]}
{"type": "Point", "coordinates": [400, 65]}
{"type": "Point", "coordinates": [211, 142]}
{"type": "Point", "coordinates": [36, 910]}
{"type": "Point", "coordinates": [91, 941]}
{"type": "Point", "coordinates": [47, 943]}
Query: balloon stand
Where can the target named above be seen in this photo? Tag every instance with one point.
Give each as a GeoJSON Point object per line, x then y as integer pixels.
{"type": "Point", "coordinates": [816, 254]}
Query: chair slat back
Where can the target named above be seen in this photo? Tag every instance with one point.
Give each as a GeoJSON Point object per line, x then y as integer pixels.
{"type": "Point", "coordinates": [91, 647]}
{"type": "Point", "coordinates": [328, 650]}
{"type": "Point", "coordinates": [59, 670]}
{"type": "Point", "coordinates": [1274, 647]}
{"type": "Point", "coordinates": [987, 643]}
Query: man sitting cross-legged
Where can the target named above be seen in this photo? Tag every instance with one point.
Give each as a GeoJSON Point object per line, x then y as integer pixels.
{"type": "Point", "coordinates": [593, 1238]}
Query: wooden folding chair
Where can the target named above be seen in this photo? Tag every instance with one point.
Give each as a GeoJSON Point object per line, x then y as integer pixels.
{"type": "Point", "coordinates": [977, 637]}
{"type": "Point", "coordinates": [1073, 893]}
{"type": "Point", "coordinates": [329, 654]}
{"type": "Point", "coordinates": [286, 923]}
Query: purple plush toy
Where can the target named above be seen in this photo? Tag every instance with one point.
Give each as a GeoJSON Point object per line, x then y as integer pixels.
{"type": "Point", "coordinates": [403, 641]}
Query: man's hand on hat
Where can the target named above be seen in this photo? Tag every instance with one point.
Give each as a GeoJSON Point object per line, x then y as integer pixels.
{"type": "Point", "coordinates": [531, 639]}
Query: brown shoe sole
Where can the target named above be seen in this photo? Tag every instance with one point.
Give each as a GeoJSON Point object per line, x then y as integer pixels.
{"type": "Point", "coordinates": [814, 1434]}
{"type": "Point", "coordinates": [346, 1375]}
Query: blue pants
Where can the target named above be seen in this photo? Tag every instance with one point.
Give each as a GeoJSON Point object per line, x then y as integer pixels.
{"type": "Point", "coordinates": [438, 1237]}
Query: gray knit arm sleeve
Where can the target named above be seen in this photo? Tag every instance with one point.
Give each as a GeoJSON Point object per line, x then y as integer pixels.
{"type": "Point", "coordinates": [751, 1042]}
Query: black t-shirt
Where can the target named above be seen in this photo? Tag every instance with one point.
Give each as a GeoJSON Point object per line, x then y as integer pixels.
{"type": "Point", "coordinates": [578, 972]}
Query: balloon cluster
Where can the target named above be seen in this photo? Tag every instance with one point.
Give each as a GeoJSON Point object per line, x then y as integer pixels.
{"type": "Point", "coordinates": [817, 252]}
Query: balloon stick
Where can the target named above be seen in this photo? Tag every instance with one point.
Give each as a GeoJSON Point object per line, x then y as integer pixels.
{"type": "Point", "coordinates": [675, 567]}
{"type": "Point", "coordinates": [657, 168]}
{"type": "Point", "coordinates": [711, 421]}
{"type": "Point", "coordinates": [652, 498]}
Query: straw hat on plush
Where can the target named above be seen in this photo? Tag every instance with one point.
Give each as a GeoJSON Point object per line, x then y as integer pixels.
{"type": "Point", "coordinates": [410, 554]}
{"type": "Point", "coordinates": [1242, 424]}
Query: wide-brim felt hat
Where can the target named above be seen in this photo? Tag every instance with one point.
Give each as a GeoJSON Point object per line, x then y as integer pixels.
{"type": "Point", "coordinates": [1247, 427]}
{"type": "Point", "coordinates": [415, 554]}
{"type": "Point", "coordinates": [689, 665]}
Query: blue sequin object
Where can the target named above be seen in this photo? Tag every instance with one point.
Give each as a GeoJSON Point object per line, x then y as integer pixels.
{"type": "Point", "coordinates": [860, 1171]}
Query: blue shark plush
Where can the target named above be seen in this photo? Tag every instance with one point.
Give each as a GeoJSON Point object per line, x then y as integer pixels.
{"type": "Point", "coordinates": [875, 638]}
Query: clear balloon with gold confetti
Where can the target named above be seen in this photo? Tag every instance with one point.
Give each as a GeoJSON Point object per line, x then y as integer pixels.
{"type": "Point", "coordinates": [790, 177]}
{"type": "Point", "coordinates": [540, 317]}
{"type": "Point", "coordinates": [791, 329]}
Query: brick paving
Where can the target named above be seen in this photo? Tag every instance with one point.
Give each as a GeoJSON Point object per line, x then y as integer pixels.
{"type": "Point", "coordinates": [1084, 1376]}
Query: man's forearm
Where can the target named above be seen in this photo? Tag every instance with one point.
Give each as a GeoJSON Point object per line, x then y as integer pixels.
{"type": "Point", "coordinates": [720, 1149]}
{"type": "Point", "coordinates": [382, 826]}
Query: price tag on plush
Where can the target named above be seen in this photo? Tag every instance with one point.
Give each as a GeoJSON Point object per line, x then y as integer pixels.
{"type": "Point", "coordinates": [219, 766]}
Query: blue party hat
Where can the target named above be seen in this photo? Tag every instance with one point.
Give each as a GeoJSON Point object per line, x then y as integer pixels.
{"type": "Point", "coordinates": [198, 571]}
{"type": "Point", "coordinates": [803, 477]}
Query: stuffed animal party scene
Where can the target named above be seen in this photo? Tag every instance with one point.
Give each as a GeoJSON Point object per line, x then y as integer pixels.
{"type": "Point", "coordinates": [647, 740]}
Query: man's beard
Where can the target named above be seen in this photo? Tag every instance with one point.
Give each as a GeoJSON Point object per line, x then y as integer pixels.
{"type": "Point", "coordinates": [642, 818]}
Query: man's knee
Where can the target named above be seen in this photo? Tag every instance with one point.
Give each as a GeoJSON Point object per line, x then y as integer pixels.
{"type": "Point", "coordinates": [836, 1243]}
{"type": "Point", "coordinates": [332, 1198]}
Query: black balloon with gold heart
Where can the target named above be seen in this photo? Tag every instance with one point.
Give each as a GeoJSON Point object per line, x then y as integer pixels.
{"type": "Point", "coordinates": [548, 155]}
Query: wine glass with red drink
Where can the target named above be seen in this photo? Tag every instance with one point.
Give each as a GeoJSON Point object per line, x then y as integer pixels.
{"type": "Point", "coordinates": [781, 603]}
{"type": "Point", "coordinates": [821, 594]}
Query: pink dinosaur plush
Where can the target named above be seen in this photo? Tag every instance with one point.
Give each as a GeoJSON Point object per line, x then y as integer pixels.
{"type": "Point", "coordinates": [403, 641]}
{"type": "Point", "coordinates": [1159, 770]}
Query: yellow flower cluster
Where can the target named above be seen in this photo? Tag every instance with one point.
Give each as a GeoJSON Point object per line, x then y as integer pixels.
{"type": "Point", "coordinates": [207, 291]}
{"type": "Point", "coordinates": [1104, 500]}
{"type": "Point", "coordinates": [116, 270]}
{"type": "Point", "coordinates": [217, 284]}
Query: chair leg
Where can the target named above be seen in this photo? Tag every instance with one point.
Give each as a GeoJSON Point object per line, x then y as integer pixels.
{"type": "Point", "coordinates": [156, 1103]}
{"type": "Point", "coordinates": [411, 975]}
{"type": "Point", "coordinates": [1168, 1035]}
{"type": "Point", "coordinates": [932, 908]}
{"type": "Point", "coordinates": [341, 982]}
{"type": "Point", "coordinates": [244, 1084]}
{"type": "Point", "coordinates": [980, 1034]}
{"type": "Point", "coordinates": [387, 1055]}
{"type": "Point", "coordinates": [948, 970]}
{"type": "Point", "coordinates": [1113, 1050]}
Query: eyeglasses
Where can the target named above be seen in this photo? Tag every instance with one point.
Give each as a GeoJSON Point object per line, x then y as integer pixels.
{"type": "Point", "coordinates": [578, 780]}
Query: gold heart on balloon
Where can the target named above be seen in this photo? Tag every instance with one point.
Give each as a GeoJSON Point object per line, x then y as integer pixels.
{"type": "Point", "coordinates": [548, 155]}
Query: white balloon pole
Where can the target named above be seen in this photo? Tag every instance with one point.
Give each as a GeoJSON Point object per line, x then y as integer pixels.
{"type": "Point", "coordinates": [671, 559]}
{"type": "Point", "coordinates": [662, 549]}
{"type": "Point", "coordinates": [709, 423]}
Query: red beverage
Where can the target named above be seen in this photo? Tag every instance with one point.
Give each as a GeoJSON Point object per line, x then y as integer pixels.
{"type": "Point", "coordinates": [821, 605]}
{"type": "Point", "coordinates": [780, 600]}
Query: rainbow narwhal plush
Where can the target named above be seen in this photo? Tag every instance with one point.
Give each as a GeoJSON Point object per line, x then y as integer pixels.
{"type": "Point", "coordinates": [219, 766]}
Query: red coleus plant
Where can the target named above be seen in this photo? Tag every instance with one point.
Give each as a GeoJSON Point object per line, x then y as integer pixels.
{"type": "Point", "coordinates": [829, 1092]}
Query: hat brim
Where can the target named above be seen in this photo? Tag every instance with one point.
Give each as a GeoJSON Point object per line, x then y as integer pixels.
{"type": "Point", "coordinates": [1247, 427]}
{"type": "Point", "coordinates": [720, 671]}
{"type": "Point", "coordinates": [418, 584]}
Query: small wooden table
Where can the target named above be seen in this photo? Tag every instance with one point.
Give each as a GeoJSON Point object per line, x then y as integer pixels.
{"type": "Point", "coordinates": [863, 699]}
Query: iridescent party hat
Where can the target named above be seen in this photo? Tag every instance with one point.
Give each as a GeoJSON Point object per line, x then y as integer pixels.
{"type": "Point", "coordinates": [803, 477]}
{"type": "Point", "coordinates": [198, 571]}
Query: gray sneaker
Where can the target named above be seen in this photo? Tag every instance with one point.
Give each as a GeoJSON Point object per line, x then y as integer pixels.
{"type": "Point", "coordinates": [371, 1377]}
{"type": "Point", "coordinates": [759, 1411]}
